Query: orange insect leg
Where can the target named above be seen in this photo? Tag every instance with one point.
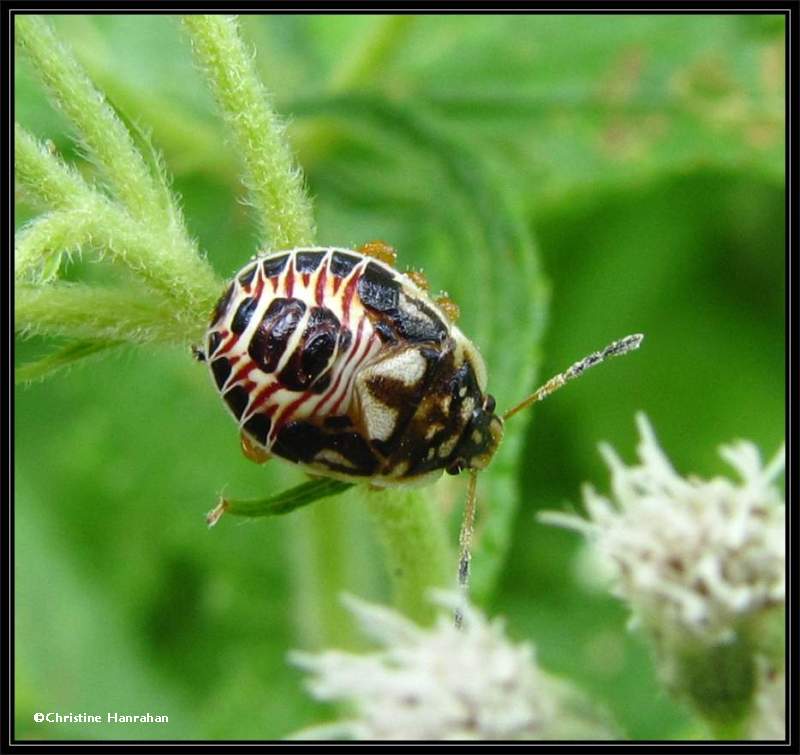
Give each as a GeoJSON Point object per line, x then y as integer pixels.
{"type": "Point", "coordinates": [380, 250]}
{"type": "Point", "coordinates": [449, 307]}
{"type": "Point", "coordinates": [252, 451]}
{"type": "Point", "coordinates": [419, 279]}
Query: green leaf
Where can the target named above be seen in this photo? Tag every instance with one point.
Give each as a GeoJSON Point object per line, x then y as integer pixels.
{"type": "Point", "coordinates": [60, 359]}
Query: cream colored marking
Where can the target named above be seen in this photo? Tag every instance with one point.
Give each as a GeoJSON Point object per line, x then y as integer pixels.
{"type": "Point", "coordinates": [266, 298]}
{"type": "Point", "coordinates": [462, 391]}
{"type": "Point", "coordinates": [408, 366]}
{"type": "Point", "coordinates": [447, 447]}
{"type": "Point", "coordinates": [271, 401]}
{"type": "Point", "coordinates": [229, 382]}
{"type": "Point", "coordinates": [431, 453]}
{"type": "Point", "coordinates": [333, 457]}
{"type": "Point", "coordinates": [476, 437]}
{"type": "Point", "coordinates": [369, 344]}
{"type": "Point", "coordinates": [342, 394]}
{"type": "Point", "coordinates": [380, 420]}
{"type": "Point", "coordinates": [432, 430]}
{"type": "Point", "coordinates": [466, 408]}
{"type": "Point", "coordinates": [400, 469]}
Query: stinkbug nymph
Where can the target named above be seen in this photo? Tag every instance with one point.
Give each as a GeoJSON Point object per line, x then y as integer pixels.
{"type": "Point", "coordinates": [334, 360]}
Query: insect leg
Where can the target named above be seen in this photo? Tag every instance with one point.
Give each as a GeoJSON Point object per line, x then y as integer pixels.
{"type": "Point", "coordinates": [252, 451]}
{"type": "Point", "coordinates": [465, 546]}
{"type": "Point", "coordinates": [418, 279]}
{"type": "Point", "coordinates": [380, 250]}
{"type": "Point", "coordinates": [449, 307]}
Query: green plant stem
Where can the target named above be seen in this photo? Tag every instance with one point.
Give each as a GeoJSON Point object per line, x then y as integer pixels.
{"type": "Point", "coordinates": [274, 183]}
{"type": "Point", "coordinates": [84, 217]}
{"type": "Point", "coordinates": [412, 531]}
{"type": "Point", "coordinates": [325, 564]}
{"type": "Point", "coordinates": [98, 127]}
{"type": "Point", "coordinates": [61, 359]}
{"type": "Point", "coordinates": [77, 310]}
{"type": "Point", "coordinates": [43, 177]}
{"type": "Point", "coordinates": [192, 287]}
{"type": "Point", "coordinates": [417, 549]}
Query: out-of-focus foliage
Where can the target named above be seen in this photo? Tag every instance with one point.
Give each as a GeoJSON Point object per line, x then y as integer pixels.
{"type": "Point", "coordinates": [644, 153]}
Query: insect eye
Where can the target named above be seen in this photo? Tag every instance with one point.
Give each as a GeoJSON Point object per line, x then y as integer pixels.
{"type": "Point", "coordinates": [455, 466]}
{"type": "Point", "coordinates": [489, 404]}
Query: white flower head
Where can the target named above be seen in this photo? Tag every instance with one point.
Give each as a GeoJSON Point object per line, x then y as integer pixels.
{"type": "Point", "coordinates": [689, 555]}
{"type": "Point", "coordinates": [432, 683]}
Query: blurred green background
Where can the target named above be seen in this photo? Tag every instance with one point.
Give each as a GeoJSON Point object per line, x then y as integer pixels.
{"type": "Point", "coordinates": [644, 154]}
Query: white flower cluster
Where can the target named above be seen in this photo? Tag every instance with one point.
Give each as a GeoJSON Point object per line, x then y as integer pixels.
{"type": "Point", "coordinates": [689, 555]}
{"type": "Point", "coordinates": [431, 683]}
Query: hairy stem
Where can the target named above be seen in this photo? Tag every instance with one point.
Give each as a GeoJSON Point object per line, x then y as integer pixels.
{"type": "Point", "coordinates": [43, 177]}
{"type": "Point", "coordinates": [417, 549]}
{"type": "Point", "coordinates": [147, 232]}
{"type": "Point", "coordinates": [274, 183]}
{"type": "Point", "coordinates": [98, 127]}
{"type": "Point", "coordinates": [412, 531]}
{"type": "Point", "coordinates": [84, 217]}
{"type": "Point", "coordinates": [147, 235]}
{"type": "Point", "coordinates": [325, 563]}
{"type": "Point", "coordinates": [77, 310]}
{"type": "Point", "coordinates": [192, 286]}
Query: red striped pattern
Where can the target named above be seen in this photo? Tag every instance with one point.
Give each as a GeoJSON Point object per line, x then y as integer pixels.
{"type": "Point", "coordinates": [323, 289]}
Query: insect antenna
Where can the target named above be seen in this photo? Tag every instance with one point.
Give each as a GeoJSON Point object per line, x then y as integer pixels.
{"type": "Point", "coordinates": [615, 349]}
{"type": "Point", "coordinates": [465, 545]}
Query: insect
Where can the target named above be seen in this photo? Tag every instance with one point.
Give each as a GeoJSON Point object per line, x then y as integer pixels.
{"type": "Point", "coordinates": [334, 360]}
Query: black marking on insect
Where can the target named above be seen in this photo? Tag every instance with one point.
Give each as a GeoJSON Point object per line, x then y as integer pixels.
{"type": "Point", "coordinates": [274, 265]}
{"type": "Point", "coordinates": [269, 340]}
{"type": "Point", "coordinates": [335, 361]}
{"type": "Point", "coordinates": [245, 278]}
{"type": "Point", "coordinates": [243, 314]}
